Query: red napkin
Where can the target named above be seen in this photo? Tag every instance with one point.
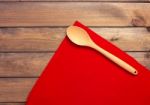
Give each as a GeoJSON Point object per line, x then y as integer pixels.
{"type": "Point", "coordinates": [81, 76]}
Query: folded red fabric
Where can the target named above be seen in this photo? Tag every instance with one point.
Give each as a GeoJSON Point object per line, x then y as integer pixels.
{"type": "Point", "coordinates": [82, 76]}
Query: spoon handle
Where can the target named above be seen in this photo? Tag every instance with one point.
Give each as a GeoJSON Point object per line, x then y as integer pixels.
{"type": "Point", "coordinates": [115, 59]}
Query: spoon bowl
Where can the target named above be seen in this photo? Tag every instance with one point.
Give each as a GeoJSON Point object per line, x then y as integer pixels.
{"type": "Point", "coordinates": [78, 36]}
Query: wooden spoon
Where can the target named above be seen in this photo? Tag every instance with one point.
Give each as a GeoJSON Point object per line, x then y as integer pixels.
{"type": "Point", "coordinates": [80, 37]}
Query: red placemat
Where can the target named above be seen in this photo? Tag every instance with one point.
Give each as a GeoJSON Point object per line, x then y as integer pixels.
{"type": "Point", "coordinates": [81, 76]}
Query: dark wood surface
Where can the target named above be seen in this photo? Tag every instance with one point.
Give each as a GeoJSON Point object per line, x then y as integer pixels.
{"type": "Point", "coordinates": [31, 31]}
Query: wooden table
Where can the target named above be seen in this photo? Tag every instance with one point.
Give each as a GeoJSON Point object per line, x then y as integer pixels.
{"type": "Point", "coordinates": [31, 31]}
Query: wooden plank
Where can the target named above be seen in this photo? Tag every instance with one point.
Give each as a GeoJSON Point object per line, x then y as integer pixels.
{"type": "Point", "coordinates": [65, 13]}
{"type": "Point", "coordinates": [15, 89]}
{"type": "Point", "coordinates": [23, 64]}
{"type": "Point", "coordinates": [48, 39]}
{"type": "Point", "coordinates": [32, 64]}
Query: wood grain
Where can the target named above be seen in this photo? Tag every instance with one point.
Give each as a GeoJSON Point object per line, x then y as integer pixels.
{"type": "Point", "coordinates": [32, 64]}
{"type": "Point", "coordinates": [23, 64]}
{"type": "Point", "coordinates": [65, 13]}
{"type": "Point", "coordinates": [15, 89]}
{"type": "Point", "coordinates": [48, 39]}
